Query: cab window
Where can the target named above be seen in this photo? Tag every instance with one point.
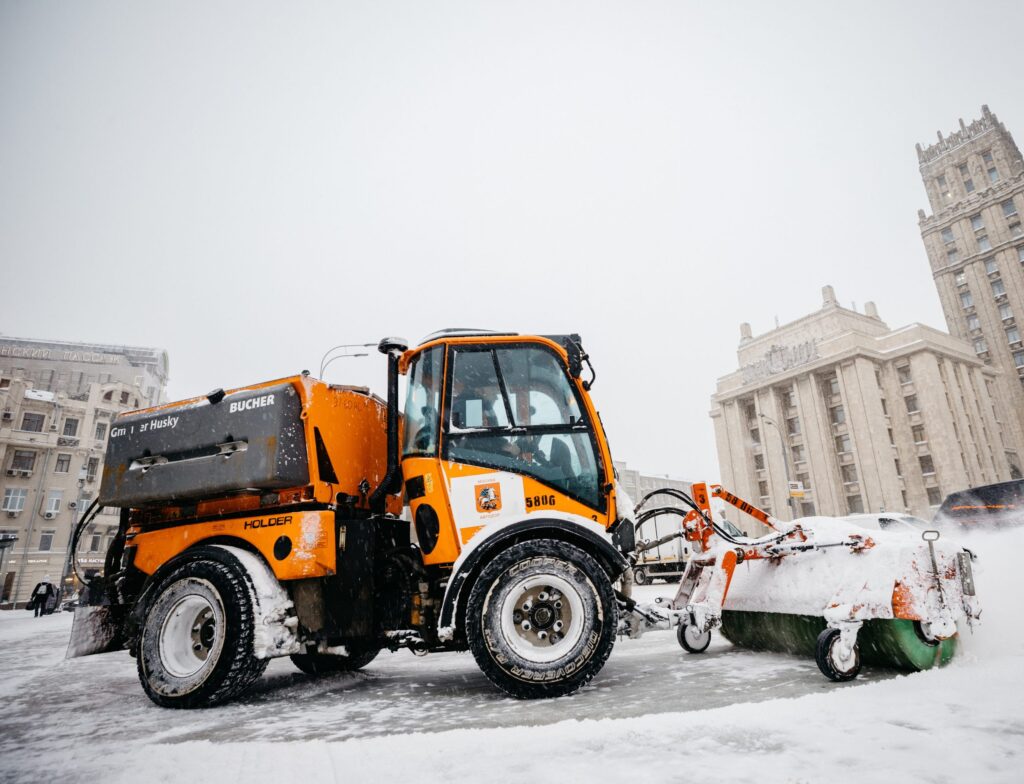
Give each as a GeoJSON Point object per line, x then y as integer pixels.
{"type": "Point", "coordinates": [514, 409]}
{"type": "Point", "coordinates": [422, 404]}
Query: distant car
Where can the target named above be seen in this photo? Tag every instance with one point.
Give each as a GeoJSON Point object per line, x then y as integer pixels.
{"type": "Point", "coordinates": [999, 505]}
{"type": "Point", "coordinates": [890, 521]}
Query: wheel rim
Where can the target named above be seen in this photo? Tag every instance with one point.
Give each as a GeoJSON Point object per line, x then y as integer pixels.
{"type": "Point", "coordinates": [640, 577]}
{"type": "Point", "coordinates": [695, 638]}
{"type": "Point", "coordinates": [191, 635]}
{"type": "Point", "coordinates": [842, 665]}
{"type": "Point", "coordinates": [542, 617]}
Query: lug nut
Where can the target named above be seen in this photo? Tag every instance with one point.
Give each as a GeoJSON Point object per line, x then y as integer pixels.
{"type": "Point", "coordinates": [542, 635]}
{"type": "Point", "coordinates": [543, 596]}
{"type": "Point", "coordinates": [558, 626]}
{"type": "Point", "coordinates": [527, 626]}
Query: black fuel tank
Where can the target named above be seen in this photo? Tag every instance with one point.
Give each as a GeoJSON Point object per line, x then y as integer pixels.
{"type": "Point", "coordinates": [253, 438]}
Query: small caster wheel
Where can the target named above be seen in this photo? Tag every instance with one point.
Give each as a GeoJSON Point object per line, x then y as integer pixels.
{"type": "Point", "coordinates": [829, 658]}
{"type": "Point", "coordinates": [692, 640]}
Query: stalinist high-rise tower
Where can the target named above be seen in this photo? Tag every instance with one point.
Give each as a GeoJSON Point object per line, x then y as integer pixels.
{"type": "Point", "coordinates": [974, 178]}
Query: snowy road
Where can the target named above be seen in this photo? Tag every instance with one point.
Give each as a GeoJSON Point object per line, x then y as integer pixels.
{"type": "Point", "coordinates": [72, 718]}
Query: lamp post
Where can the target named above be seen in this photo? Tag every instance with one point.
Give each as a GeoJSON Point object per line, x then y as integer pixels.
{"type": "Point", "coordinates": [6, 542]}
{"type": "Point", "coordinates": [324, 362]}
{"type": "Point", "coordinates": [785, 464]}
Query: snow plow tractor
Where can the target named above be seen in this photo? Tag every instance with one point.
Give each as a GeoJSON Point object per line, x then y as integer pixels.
{"type": "Point", "coordinates": [304, 519]}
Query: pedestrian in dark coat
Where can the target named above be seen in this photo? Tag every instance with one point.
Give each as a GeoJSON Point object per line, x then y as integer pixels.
{"type": "Point", "coordinates": [44, 597]}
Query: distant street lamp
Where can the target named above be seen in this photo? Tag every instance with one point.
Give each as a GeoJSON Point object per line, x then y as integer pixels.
{"type": "Point", "coordinates": [324, 362]}
{"type": "Point", "coordinates": [6, 541]}
{"type": "Point", "coordinates": [785, 465]}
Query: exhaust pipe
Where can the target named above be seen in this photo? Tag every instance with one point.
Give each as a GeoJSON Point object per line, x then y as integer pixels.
{"type": "Point", "coordinates": [392, 481]}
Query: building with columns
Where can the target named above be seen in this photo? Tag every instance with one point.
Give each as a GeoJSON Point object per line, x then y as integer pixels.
{"type": "Point", "coordinates": [865, 418]}
{"type": "Point", "coordinates": [974, 178]}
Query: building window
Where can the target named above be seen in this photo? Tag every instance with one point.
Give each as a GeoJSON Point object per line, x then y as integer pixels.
{"type": "Point", "coordinates": [831, 386]}
{"type": "Point", "coordinates": [973, 322]}
{"type": "Point", "coordinates": [911, 403]}
{"type": "Point", "coordinates": [892, 438]}
{"type": "Point", "coordinates": [980, 346]}
{"type": "Point", "coordinates": [793, 426]}
{"type": "Point", "coordinates": [124, 398]}
{"type": "Point", "coordinates": [46, 539]}
{"type": "Point", "coordinates": [998, 289]}
{"type": "Point", "coordinates": [755, 435]}
{"type": "Point", "coordinates": [965, 176]}
{"type": "Point", "coordinates": [1015, 230]}
{"type": "Point", "coordinates": [966, 300]}
{"type": "Point", "coordinates": [807, 508]}
{"type": "Point", "coordinates": [991, 266]}
{"type": "Point", "coordinates": [903, 374]}
{"type": "Point", "coordinates": [92, 468]}
{"type": "Point", "coordinates": [918, 433]}
{"type": "Point", "coordinates": [934, 496]}
{"type": "Point", "coordinates": [977, 223]}
{"type": "Point", "coordinates": [1009, 208]}
{"type": "Point", "coordinates": [14, 499]}
{"type": "Point", "coordinates": [993, 174]}
{"type": "Point", "coordinates": [762, 488]}
{"type": "Point", "coordinates": [855, 504]}
{"type": "Point", "coordinates": [838, 415]}
{"type": "Point", "coordinates": [94, 543]}
{"type": "Point", "coordinates": [63, 464]}
{"type": "Point", "coordinates": [24, 460]}
{"type": "Point", "coordinates": [848, 473]}
{"type": "Point", "coordinates": [1005, 311]}
{"type": "Point", "coordinates": [843, 443]}
{"type": "Point", "coordinates": [32, 423]}
{"type": "Point", "coordinates": [101, 431]}
{"type": "Point", "coordinates": [885, 406]}
{"type": "Point", "coordinates": [1018, 359]}
{"type": "Point", "coordinates": [1020, 254]}
{"type": "Point", "coordinates": [805, 480]}
{"type": "Point", "coordinates": [983, 243]}
{"type": "Point", "coordinates": [927, 466]}
{"type": "Point", "coordinates": [759, 462]}
{"type": "Point", "coordinates": [70, 427]}
{"type": "Point", "coordinates": [798, 453]}
{"type": "Point", "coordinates": [952, 257]}
{"type": "Point", "coordinates": [1013, 335]}
{"type": "Point", "coordinates": [987, 157]}
{"type": "Point", "coordinates": [947, 235]}
{"type": "Point", "coordinates": [899, 468]}
{"type": "Point", "coordinates": [53, 501]}
{"type": "Point", "coordinates": [943, 187]}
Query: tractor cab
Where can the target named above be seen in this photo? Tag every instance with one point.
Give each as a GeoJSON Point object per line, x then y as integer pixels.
{"type": "Point", "coordinates": [497, 428]}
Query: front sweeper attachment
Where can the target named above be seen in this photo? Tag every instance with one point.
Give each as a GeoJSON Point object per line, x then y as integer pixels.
{"type": "Point", "coordinates": [819, 587]}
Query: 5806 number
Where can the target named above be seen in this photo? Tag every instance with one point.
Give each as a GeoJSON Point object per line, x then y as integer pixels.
{"type": "Point", "coordinates": [539, 500]}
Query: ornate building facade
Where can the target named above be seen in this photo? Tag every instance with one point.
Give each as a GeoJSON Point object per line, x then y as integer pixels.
{"type": "Point", "coordinates": [974, 178]}
{"type": "Point", "coordinates": [836, 413]}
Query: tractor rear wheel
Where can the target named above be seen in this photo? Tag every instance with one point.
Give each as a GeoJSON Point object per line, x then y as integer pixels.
{"type": "Point", "coordinates": [327, 663]}
{"type": "Point", "coordinates": [541, 619]}
{"type": "Point", "coordinates": [196, 642]}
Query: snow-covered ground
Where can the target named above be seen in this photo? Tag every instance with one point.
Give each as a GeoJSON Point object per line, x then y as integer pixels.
{"type": "Point", "coordinates": [654, 713]}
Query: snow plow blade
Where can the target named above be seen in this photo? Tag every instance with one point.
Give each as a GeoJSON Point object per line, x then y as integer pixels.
{"type": "Point", "coordinates": [97, 630]}
{"type": "Point", "coordinates": [892, 643]}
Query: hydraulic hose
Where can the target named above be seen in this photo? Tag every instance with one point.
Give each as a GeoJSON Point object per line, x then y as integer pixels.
{"type": "Point", "coordinates": [91, 511]}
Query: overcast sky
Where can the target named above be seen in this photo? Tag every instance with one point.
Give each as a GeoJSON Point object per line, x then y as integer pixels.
{"type": "Point", "coordinates": [248, 184]}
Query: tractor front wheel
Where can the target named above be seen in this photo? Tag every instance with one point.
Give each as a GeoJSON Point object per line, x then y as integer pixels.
{"type": "Point", "coordinates": [541, 619]}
